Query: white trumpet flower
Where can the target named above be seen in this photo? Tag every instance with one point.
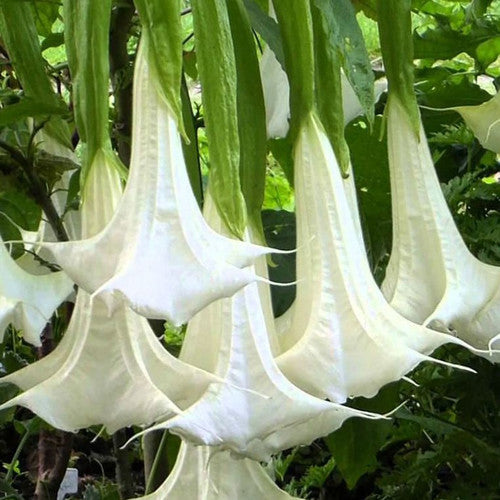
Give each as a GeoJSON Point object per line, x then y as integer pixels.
{"type": "Point", "coordinates": [28, 301]}
{"type": "Point", "coordinates": [276, 91]}
{"type": "Point", "coordinates": [143, 382]}
{"type": "Point", "coordinates": [432, 278]}
{"type": "Point", "coordinates": [484, 121]}
{"type": "Point", "coordinates": [204, 474]}
{"type": "Point", "coordinates": [106, 370]}
{"type": "Point", "coordinates": [157, 251]}
{"type": "Point", "coordinates": [277, 94]}
{"type": "Point", "coordinates": [343, 328]}
{"type": "Point", "coordinates": [256, 411]}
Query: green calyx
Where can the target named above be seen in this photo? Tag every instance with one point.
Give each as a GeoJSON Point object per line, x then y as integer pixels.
{"type": "Point", "coordinates": [394, 21]}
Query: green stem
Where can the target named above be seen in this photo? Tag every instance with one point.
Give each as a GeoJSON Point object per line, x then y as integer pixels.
{"type": "Point", "coordinates": [156, 461]}
{"type": "Point", "coordinates": [20, 446]}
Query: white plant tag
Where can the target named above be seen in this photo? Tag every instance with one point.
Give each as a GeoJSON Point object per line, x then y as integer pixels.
{"type": "Point", "coordinates": [69, 484]}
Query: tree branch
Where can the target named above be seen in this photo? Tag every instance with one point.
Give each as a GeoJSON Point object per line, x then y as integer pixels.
{"type": "Point", "coordinates": [38, 190]}
{"type": "Point", "coordinates": [121, 22]}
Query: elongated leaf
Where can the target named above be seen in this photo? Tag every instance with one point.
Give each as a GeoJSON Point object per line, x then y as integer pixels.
{"type": "Point", "coordinates": [251, 113]}
{"type": "Point", "coordinates": [89, 20]}
{"type": "Point", "coordinates": [161, 24]}
{"type": "Point", "coordinates": [217, 67]}
{"type": "Point", "coordinates": [267, 28]}
{"type": "Point", "coordinates": [297, 34]}
{"type": "Point", "coordinates": [28, 107]}
{"type": "Point", "coordinates": [344, 35]}
{"type": "Point", "coordinates": [18, 30]}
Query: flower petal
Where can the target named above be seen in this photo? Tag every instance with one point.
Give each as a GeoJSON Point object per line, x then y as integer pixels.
{"type": "Point", "coordinates": [106, 370]}
{"type": "Point", "coordinates": [432, 277]}
{"type": "Point", "coordinates": [343, 329]}
{"type": "Point", "coordinates": [36, 297]}
{"type": "Point", "coordinates": [202, 473]}
{"type": "Point", "coordinates": [255, 411]}
{"type": "Point", "coordinates": [157, 252]}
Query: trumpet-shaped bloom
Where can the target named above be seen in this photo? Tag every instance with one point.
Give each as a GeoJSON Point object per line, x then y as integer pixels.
{"type": "Point", "coordinates": [256, 411]}
{"type": "Point", "coordinates": [204, 474]}
{"type": "Point", "coordinates": [107, 370]}
{"type": "Point", "coordinates": [157, 251]}
{"type": "Point", "coordinates": [484, 120]}
{"type": "Point", "coordinates": [345, 339]}
{"type": "Point", "coordinates": [432, 277]}
{"type": "Point", "coordinates": [28, 301]}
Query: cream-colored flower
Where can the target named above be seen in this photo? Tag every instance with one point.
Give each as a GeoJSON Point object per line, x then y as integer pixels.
{"type": "Point", "coordinates": [28, 301]}
{"type": "Point", "coordinates": [256, 411]}
{"type": "Point", "coordinates": [432, 278]}
{"type": "Point", "coordinates": [345, 339]}
{"type": "Point", "coordinates": [202, 473]}
{"type": "Point", "coordinates": [157, 252]}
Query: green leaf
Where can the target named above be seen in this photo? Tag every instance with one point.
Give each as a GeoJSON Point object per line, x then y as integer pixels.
{"type": "Point", "coordinates": [52, 40]}
{"type": "Point", "coordinates": [190, 148]}
{"type": "Point", "coordinates": [267, 28]}
{"type": "Point", "coordinates": [19, 33]}
{"type": "Point", "coordinates": [487, 52]}
{"type": "Point", "coordinates": [89, 65]}
{"type": "Point", "coordinates": [45, 14]}
{"type": "Point", "coordinates": [295, 23]}
{"type": "Point", "coordinates": [162, 28]}
{"type": "Point", "coordinates": [251, 114]}
{"type": "Point", "coordinates": [217, 68]}
{"type": "Point", "coordinates": [445, 43]}
{"type": "Point", "coordinates": [477, 9]}
{"type": "Point", "coordinates": [279, 229]}
{"type": "Point", "coordinates": [28, 107]}
{"type": "Point", "coordinates": [356, 444]}
{"type": "Point", "coordinates": [369, 7]}
{"type": "Point", "coordinates": [344, 34]}
{"type": "Point", "coordinates": [7, 391]}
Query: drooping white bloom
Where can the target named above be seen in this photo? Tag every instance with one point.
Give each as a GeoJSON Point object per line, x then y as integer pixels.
{"type": "Point", "coordinates": [351, 104]}
{"type": "Point", "coordinates": [432, 277]}
{"type": "Point", "coordinates": [256, 411]}
{"type": "Point", "coordinates": [345, 339]}
{"type": "Point", "coordinates": [108, 370]}
{"type": "Point", "coordinates": [28, 301]}
{"type": "Point", "coordinates": [277, 94]}
{"type": "Point", "coordinates": [204, 474]}
{"type": "Point", "coordinates": [157, 251]}
{"type": "Point", "coordinates": [484, 120]}
{"type": "Point", "coordinates": [276, 91]}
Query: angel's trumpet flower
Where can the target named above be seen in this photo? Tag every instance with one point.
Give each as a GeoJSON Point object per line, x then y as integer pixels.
{"type": "Point", "coordinates": [205, 474]}
{"type": "Point", "coordinates": [484, 121]}
{"type": "Point", "coordinates": [256, 411]}
{"type": "Point", "coordinates": [157, 251]}
{"type": "Point", "coordinates": [343, 327]}
{"type": "Point", "coordinates": [28, 301]}
{"type": "Point", "coordinates": [106, 370]}
{"type": "Point", "coordinates": [277, 95]}
{"type": "Point", "coordinates": [432, 277]}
